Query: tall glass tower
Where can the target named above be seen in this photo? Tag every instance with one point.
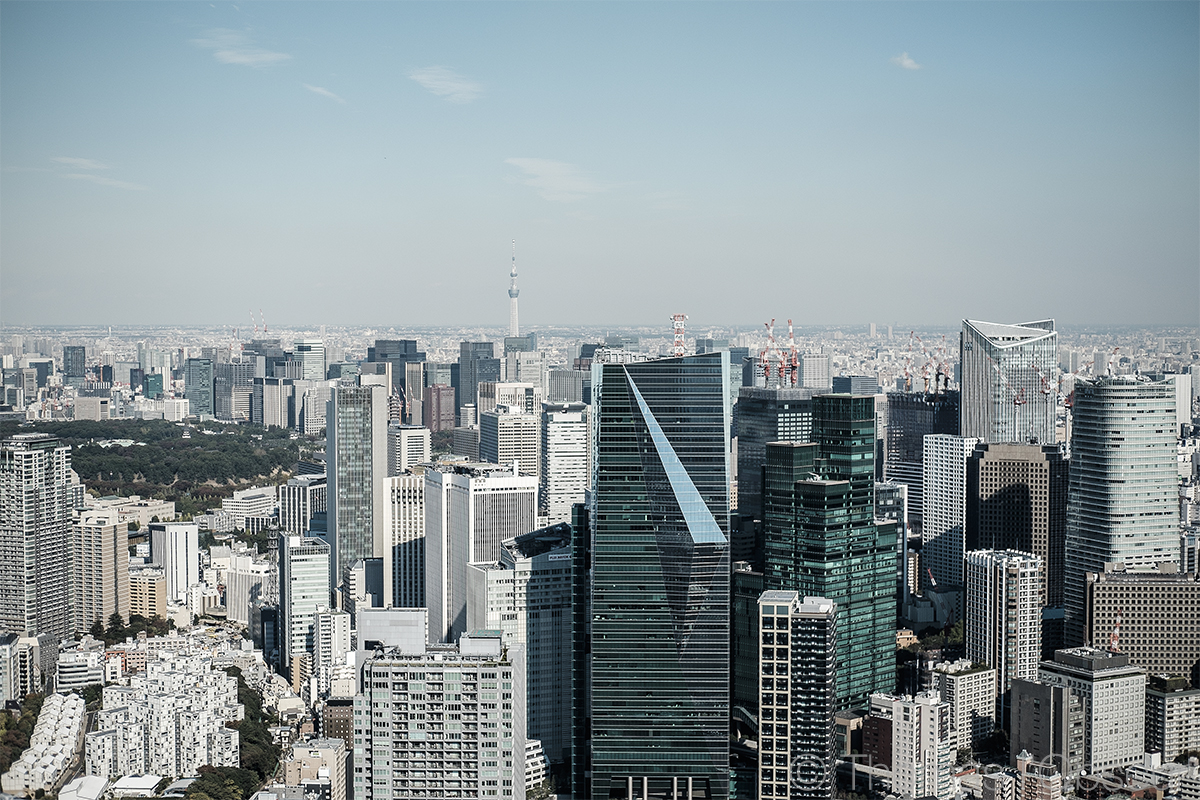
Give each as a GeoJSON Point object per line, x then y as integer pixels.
{"type": "Point", "coordinates": [658, 602]}
{"type": "Point", "coordinates": [1123, 491]}
{"type": "Point", "coordinates": [1005, 377]}
{"type": "Point", "coordinates": [822, 540]}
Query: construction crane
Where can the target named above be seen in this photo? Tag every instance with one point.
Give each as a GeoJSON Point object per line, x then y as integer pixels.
{"type": "Point", "coordinates": [677, 320]}
{"type": "Point", "coordinates": [793, 360]}
{"type": "Point", "coordinates": [1114, 639]}
{"type": "Point", "coordinates": [264, 321]}
{"type": "Point", "coordinates": [253, 323]}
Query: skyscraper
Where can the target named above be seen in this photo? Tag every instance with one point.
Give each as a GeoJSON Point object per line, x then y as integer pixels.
{"type": "Point", "coordinates": [408, 445]}
{"type": "Point", "coordinates": [922, 759]}
{"type": "Point", "coordinates": [766, 415]}
{"type": "Point", "coordinates": [100, 560]}
{"type": "Point", "coordinates": [564, 472]}
{"type": "Point", "coordinates": [404, 549]}
{"type": "Point", "coordinates": [911, 417]}
{"type": "Point", "coordinates": [1005, 376]}
{"type": "Point", "coordinates": [74, 361]}
{"type": "Point", "coordinates": [657, 708]}
{"type": "Point", "coordinates": [357, 461]}
{"type": "Point", "coordinates": [797, 672]}
{"type": "Point", "coordinates": [303, 591]}
{"type": "Point", "coordinates": [509, 435]}
{"type": "Point", "coordinates": [822, 540]}
{"type": "Point", "coordinates": [175, 546]}
{"type": "Point", "coordinates": [398, 353]}
{"type": "Point", "coordinates": [944, 484]}
{"type": "Point", "coordinates": [1017, 500]}
{"type": "Point", "coordinates": [1003, 627]}
{"type": "Point", "coordinates": [199, 387]}
{"type": "Point", "coordinates": [470, 509]}
{"type": "Point", "coordinates": [35, 528]}
{"type": "Point", "coordinates": [311, 355]}
{"type": "Point", "coordinates": [476, 363]}
{"type": "Point", "coordinates": [1122, 503]}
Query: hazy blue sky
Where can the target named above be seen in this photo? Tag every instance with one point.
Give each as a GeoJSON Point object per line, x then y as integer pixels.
{"type": "Point", "coordinates": [370, 163]}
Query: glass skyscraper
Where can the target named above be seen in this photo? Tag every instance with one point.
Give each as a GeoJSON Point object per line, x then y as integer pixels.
{"type": "Point", "coordinates": [822, 540]}
{"type": "Point", "coordinates": [658, 601]}
{"type": "Point", "coordinates": [1005, 376]}
{"type": "Point", "coordinates": [1123, 492]}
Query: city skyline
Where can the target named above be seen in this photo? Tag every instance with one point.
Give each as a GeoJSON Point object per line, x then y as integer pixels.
{"type": "Point", "coordinates": [156, 152]}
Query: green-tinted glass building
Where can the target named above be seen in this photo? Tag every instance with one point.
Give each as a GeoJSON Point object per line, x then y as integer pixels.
{"type": "Point", "coordinates": [654, 720]}
{"type": "Point", "coordinates": [822, 540]}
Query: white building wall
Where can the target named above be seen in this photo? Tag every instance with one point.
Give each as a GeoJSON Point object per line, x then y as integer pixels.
{"type": "Point", "coordinates": [944, 511]}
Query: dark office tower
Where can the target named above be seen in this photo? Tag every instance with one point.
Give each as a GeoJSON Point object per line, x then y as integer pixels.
{"type": "Point", "coordinates": [912, 417]}
{"type": "Point", "coordinates": [1017, 500]}
{"type": "Point", "coordinates": [822, 540]}
{"type": "Point", "coordinates": [745, 586]}
{"type": "Point", "coordinates": [106, 374]}
{"type": "Point", "coordinates": [198, 386]}
{"type": "Point", "coordinates": [798, 672]}
{"type": "Point", "coordinates": [136, 376]}
{"type": "Point", "coordinates": [476, 363]}
{"type": "Point", "coordinates": [659, 599]}
{"type": "Point", "coordinates": [74, 361]}
{"type": "Point", "coordinates": [1123, 495]}
{"type": "Point", "coordinates": [35, 528]}
{"type": "Point", "coordinates": [1004, 372]}
{"type": "Point", "coordinates": [766, 415]}
{"type": "Point", "coordinates": [397, 352]}
{"type": "Point", "coordinates": [152, 385]}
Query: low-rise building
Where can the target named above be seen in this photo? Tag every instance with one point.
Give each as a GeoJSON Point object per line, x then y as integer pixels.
{"type": "Point", "coordinates": [170, 719]}
{"type": "Point", "coordinates": [317, 760]}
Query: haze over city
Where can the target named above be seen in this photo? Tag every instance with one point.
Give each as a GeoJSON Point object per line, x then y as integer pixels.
{"type": "Point", "coordinates": [370, 164]}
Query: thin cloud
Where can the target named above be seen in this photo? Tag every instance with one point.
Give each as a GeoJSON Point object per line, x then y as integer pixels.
{"type": "Point", "coordinates": [554, 180]}
{"type": "Point", "coordinates": [235, 47]}
{"type": "Point", "coordinates": [905, 62]}
{"type": "Point", "coordinates": [322, 92]}
{"type": "Point", "coordinates": [100, 179]}
{"type": "Point", "coordinates": [448, 84]}
{"type": "Point", "coordinates": [79, 163]}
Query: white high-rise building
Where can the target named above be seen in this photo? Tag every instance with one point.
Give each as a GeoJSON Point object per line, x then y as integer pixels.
{"type": "Point", "coordinates": [970, 691]}
{"type": "Point", "coordinates": [1004, 613]}
{"type": "Point", "coordinates": [299, 500]}
{"type": "Point", "coordinates": [175, 546]}
{"type": "Point", "coordinates": [246, 584]}
{"type": "Point", "coordinates": [470, 696]}
{"type": "Point", "coordinates": [507, 435]}
{"type": "Point", "coordinates": [331, 645]}
{"type": "Point", "coordinates": [311, 355]}
{"type": "Point", "coordinates": [563, 475]}
{"type": "Point", "coordinates": [100, 560]}
{"type": "Point", "coordinates": [303, 591]}
{"type": "Point", "coordinates": [356, 459]}
{"type": "Point", "coordinates": [1005, 373]}
{"type": "Point", "coordinates": [470, 509]}
{"type": "Point", "coordinates": [816, 371]}
{"type": "Point", "coordinates": [1123, 494]}
{"type": "Point", "coordinates": [527, 596]}
{"type": "Point", "coordinates": [408, 445]}
{"type": "Point", "coordinates": [404, 553]}
{"type": "Point", "coordinates": [922, 756]}
{"type": "Point", "coordinates": [36, 500]}
{"type": "Point", "coordinates": [944, 512]}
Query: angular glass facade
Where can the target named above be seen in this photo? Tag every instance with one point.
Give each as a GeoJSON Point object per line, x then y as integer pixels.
{"type": "Point", "coordinates": [1005, 376]}
{"type": "Point", "coordinates": [659, 594]}
{"type": "Point", "coordinates": [822, 540]}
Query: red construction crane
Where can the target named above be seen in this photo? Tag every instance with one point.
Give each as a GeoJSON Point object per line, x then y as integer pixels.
{"type": "Point", "coordinates": [678, 348]}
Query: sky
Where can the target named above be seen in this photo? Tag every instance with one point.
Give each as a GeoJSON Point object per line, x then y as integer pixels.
{"type": "Point", "coordinates": [372, 163]}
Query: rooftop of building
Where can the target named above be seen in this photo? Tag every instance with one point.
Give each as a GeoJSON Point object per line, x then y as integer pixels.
{"type": "Point", "coordinates": [1167, 572]}
{"type": "Point", "coordinates": [1091, 659]}
{"type": "Point", "coordinates": [964, 666]}
{"type": "Point", "coordinates": [1002, 334]}
{"type": "Point", "coordinates": [543, 540]}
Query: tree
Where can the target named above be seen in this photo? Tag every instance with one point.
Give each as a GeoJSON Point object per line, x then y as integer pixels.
{"type": "Point", "coordinates": [116, 628]}
{"type": "Point", "coordinates": [964, 755]}
{"type": "Point", "coordinates": [97, 631]}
